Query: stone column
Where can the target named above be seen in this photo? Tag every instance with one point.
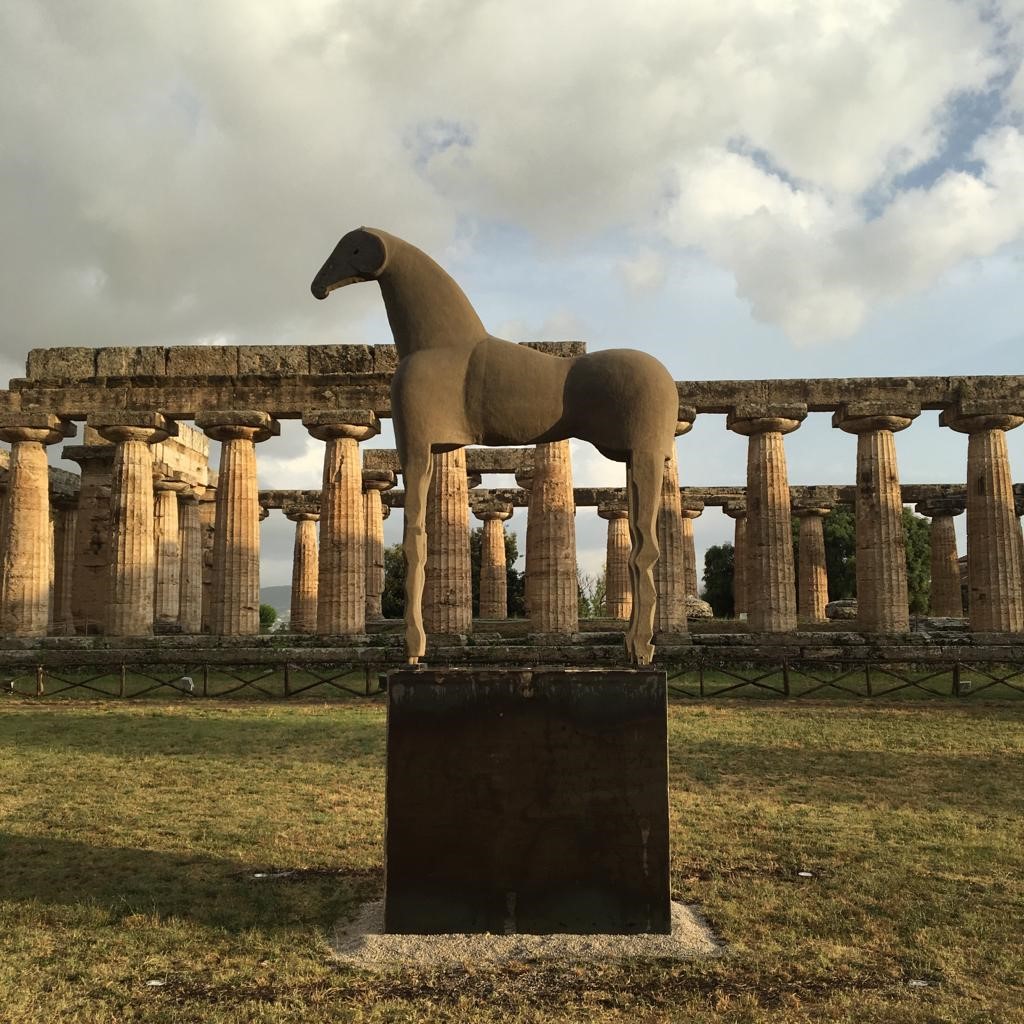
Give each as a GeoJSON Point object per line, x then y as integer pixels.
{"type": "Point", "coordinates": [65, 522]}
{"type": "Point", "coordinates": [995, 598]}
{"type": "Point", "coordinates": [812, 593]}
{"type": "Point", "coordinates": [167, 545]}
{"type": "Point", "coordinates": [737, 512]}
{"type": "Point", "coordinates": [341, 590]}
{"type": "Point", "coordinates": [374, 513]}
{"type": "Point", "coordinates": [90, 582]}
{"type": "Point", "coordinates": [207, 529]}
{"type": "Point", "coordinates": [882, 603]}
{"type": "Point", "coordinates": [305, 568]}
{"type": "Point", "coordinates": [133, 559]}
{"type": "Point", "coordinates": [26, 559]}
{"type": "Point", "coordinates": [690, 510]}
{"type": "Point", "coordinates": [524, 478]}
{"type": "Point", "coordinates": [235, 602]}
{"type": "Point", "coordinates": [554, 597]}
{"type": "Point", "coordinates": [447, 592]}
{"type": "Point", "coordinates": [190, 598]}
{"type": "Point", "coordinates": [618, 596]}
{"type": "Point", "coordinates": [493, 568]}
{"type": "Point", "coordinates": [771, 582]}
{"type": "Point", "coordinates": [946, 598]}
{"type": "Point", "coordinates": [670, 569]}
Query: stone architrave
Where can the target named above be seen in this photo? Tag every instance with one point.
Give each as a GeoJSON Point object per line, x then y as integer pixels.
{"type": "Point", "coordinates": [946, 597]}
{"type": "Point", "coordinates": [26, 562]}
{"type": "Point", "coordinates": [670, 570]}
{"type": "Point", "coordinates": [995, 598]}
{"type": "Point", "coordinates": [167, 548]}
{"type": "Point", "coordinates": [374, 513]}
{"type": "Point", "coordinates": [618, 597]}
{"type": "Point", "coordinates": [447, 591]}
{"type": "Point", "coordinates": [133, 558]}
{"type": "Point", "coordinates": [90, 583]}
{"type": "Point", "coordinates": [737, 511]}
{"type": "Point", "coordinates": [882, 602]}
{"type": "Point", "coordinates": [554, 599]}
{"type": "Point", "coordinates": [341, 591]}
{"type": "Point", "coordinates": [190, 600]}
{"type": "Point", "coordinates": [305, 568]}
{"type": "Point", "coordinates": [812, 593]}
{"type": "Point", "coordinates": [64, 523]}
{"type": "Point", "coordinates": [235, 602]}
{"type": "Point", "coordinates": [493, 568]}
{"type": "Point", "coordinates": [771, 581]}
{"type": "Point", "coordinates": [690, 510]}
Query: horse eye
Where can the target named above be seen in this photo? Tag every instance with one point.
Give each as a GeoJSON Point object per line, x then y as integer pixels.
{"type": "Point", "coordinates": [355, 252]}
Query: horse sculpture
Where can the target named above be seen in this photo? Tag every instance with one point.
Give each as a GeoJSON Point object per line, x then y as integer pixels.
{"type": "Point", "coordinates": [457, 385]}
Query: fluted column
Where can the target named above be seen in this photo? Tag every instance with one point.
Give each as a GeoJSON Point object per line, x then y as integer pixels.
{"type": "Point", "coordinates": [670, 569]}
{"type": "Point", "coordinates": [995, 599]}
{"type": "Point", "coordinates": [374, 513]}
{"type": "Point", "coordinates": [190, 593]}
{"type": "Point", "coordinates": [690, 510]}
{"type": "Point", "coordinates": [493, 568]}
{"type": "Point", "coordinates": [235, 602]}
{"type": "Point", "coordinates": [90, 582]}
{"type": "Point", "coordinates": [133, 559]}
{"type": "Point", "coordinates": [167, 546]}
{"type": "Point", "coordinates": [618, 597]}
{"type": "Point", "coordinates": [305, 568]}
{"type": "Point", "coordinates": [882, 603]}
{"type": "Point", "coordinates": [946, 596]}
{"type": "Point", "coordinates": [554, 598]}
{"type": "Point", "coordinates": [26, 558]}
{"type": "Point", "coordinates": [738, 513]}
{"type": "Point", "coordinates": [65, 521]}
{"type": "Point", "coordinates": [447, 592]}
{"type": "Point", "coordinates": [524, 478]}
{"type": "Point", "coordinates": [207, 529]}
{"type": "Point", "coordinates": [812, 593]}
{"type": "Point", "coordinates": [771, 581]}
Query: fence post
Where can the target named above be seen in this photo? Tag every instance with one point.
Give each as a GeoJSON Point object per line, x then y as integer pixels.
{"type": "Point", "coordinates": [121, 686]}
{"type": "Point", "coordinates": [956, 679]}
{"type": "Point", "coordinates": [785, 677]}
{"type": "Point", "coordinates": [40, 680]}
{"type": "Point", "coordinates": [701, 677]}
{"type": "Point", "coordinates": [206, 679]}
{"type": "Point", "coordinates": [867, 679]}
{"type": "Point", "coordinates": [287, 679]}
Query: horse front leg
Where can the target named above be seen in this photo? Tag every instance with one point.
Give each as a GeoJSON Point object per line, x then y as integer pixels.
{"type": "Point", "coordinates": [417, 467]}
{"type": "Point", "coordinates": [643, 482]}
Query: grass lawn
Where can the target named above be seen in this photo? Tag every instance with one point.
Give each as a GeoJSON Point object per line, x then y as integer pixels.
{"type": "Point", "coordinates": [130, 835]}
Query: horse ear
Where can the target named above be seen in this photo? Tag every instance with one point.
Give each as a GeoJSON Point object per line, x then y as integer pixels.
{"type": "Point", "coordinates": [368, 252]}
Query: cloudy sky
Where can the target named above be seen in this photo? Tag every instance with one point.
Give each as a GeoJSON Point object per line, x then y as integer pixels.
{"type": "Point", "coordinates": [745, 188]}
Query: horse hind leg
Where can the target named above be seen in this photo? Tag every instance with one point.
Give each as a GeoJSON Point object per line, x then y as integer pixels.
{"type": "Point", "coordinates": [416, 468]}
{"type": "Point", "coordinates": [643, 481]}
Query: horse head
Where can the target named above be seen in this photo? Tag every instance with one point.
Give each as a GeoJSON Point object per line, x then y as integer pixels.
{"type": "Point", "coordinates": [361, 255]}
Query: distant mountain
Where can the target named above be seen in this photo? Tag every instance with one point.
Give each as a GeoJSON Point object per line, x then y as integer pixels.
{"type": "Point", "coordinates": [279, 598]}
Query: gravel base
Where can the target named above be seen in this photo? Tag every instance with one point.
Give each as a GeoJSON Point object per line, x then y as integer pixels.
{"type": "Point", "coordinates": [362, 943]}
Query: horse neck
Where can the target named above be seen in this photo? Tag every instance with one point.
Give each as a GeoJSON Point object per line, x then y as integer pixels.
{"type": "Point", "coordinates": [426, 308]}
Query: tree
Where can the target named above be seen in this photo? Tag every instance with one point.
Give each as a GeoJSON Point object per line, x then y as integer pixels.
{"type": "Point", "coordinates": [268, 616]}
{"type": "Point", "coordinates": [840, 530]}
{"type": "Point", "coordinates": [590, 593]}
{"type": "Point", "coordinates": [918, 532]}
{"type": "Point", "coordinates": [718, 574]}
{"type": "Point", "coordinates": [392, 601]}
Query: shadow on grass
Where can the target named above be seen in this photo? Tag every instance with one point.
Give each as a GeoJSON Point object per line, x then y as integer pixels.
{"type": "Point", "coordinates": [221, 894]}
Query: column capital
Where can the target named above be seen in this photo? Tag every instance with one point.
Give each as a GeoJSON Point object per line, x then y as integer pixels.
{"type": "Point", "coordinates": [763, 418]}
{"type": "Point", "coordinates": [800, 511]}
{"type": "Point", "coordinates": [735, 509]}
{"type": "Point", "coordinates": [685, 422]}
{"type": "Point", "coordinates": [34, 426]}
{"type": "Point", "coordinates": [328, 424]}
{"type": "Point", "coordinates": [385, 512]}
{"type": "Point", "coordinates": [238, 425]}
{"type": "Point", "coordinates": [173, 483]}
{"type": "Point", "coordinates": [63, 502]}
{"type": "Point", "coordinates": [493, 510]}
{"type": "Point", "coordinates": [691, 508]}
{"type": "Point", "coordinates": [122, 425]}
{"type": "Point", "coordinates": [82, 453]}
{"type": "Point", "coordinates": [932, 507]}
{"type": "Point", "coordinates": [299, 513]}
{"type": "Point", "coordinates": [378, 480]}
{"type": "Point", "coordinates": [863, 417]}
{"type": "Point", "coordinates": [613, 511]}
{"type": "Point", "coordinates": [977, 422]}
{"type": "Point", "coordinates": [524, 478]}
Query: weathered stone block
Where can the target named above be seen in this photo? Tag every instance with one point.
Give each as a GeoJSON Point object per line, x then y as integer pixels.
{"type": "Point", "coordinates": [385, 358]}
{"type": "Point", "coordinates": [325, 359]}
{"type": "Point", "coordinates": [58, 364]}
{"type": "Point", "coordinates": [133, 361]}
{"type": "Point", "coordinates": [273, 360]}
{"type": "Point", "coordinates": [202, 360]}
{"type": "Point", "coordinates": [527, 801]}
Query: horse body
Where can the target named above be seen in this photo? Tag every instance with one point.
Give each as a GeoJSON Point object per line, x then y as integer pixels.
{"type": "Point", "coordinates": [456, 385]}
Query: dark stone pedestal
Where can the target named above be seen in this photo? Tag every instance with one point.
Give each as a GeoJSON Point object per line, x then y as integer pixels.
{"type": "Point", "coordinates": [527, 801]}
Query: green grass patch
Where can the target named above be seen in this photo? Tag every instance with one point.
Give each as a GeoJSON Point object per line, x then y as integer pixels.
{"type": "Point", "coordinates": [130, 835]}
